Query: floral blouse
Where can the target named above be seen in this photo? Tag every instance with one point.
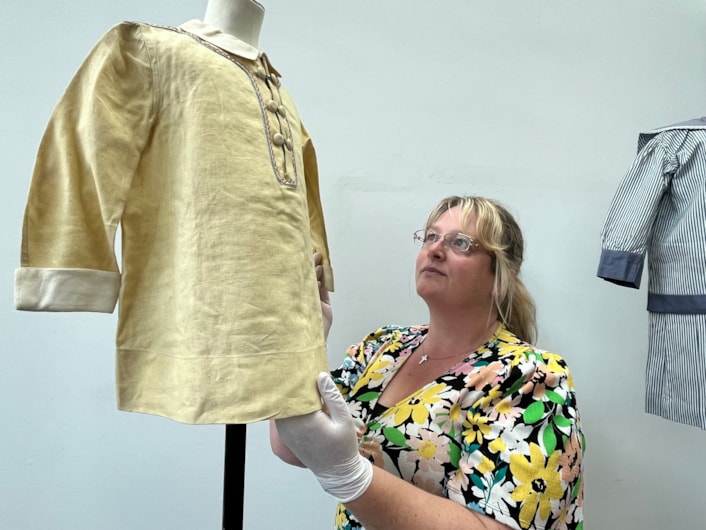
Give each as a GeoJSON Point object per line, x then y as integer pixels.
{"type": "Point", "coordinates": [499, 432]}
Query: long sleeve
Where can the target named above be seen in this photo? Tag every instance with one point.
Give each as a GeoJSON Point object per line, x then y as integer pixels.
{"type": "Point", "coordinates": [82, 175]}
{"type": "Point", "coordinates": [196, 153]}
{"type": "Point", "coordinates": [634, 208]}
{"type": "Point", "coordinates": [316, 214]}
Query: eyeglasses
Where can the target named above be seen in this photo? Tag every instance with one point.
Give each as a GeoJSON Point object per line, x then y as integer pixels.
{"type": "Point", "coordinates": [456, 241]}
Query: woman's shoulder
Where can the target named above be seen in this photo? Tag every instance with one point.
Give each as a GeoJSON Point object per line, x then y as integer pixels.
{"type": "Point", "coordinates": [518, 352]}
{"type": "Point", "coordinates": [395, 332]}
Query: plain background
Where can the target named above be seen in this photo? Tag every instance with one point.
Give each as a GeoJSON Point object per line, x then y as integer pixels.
{"type": "Point", "coordinates": [537, 103]}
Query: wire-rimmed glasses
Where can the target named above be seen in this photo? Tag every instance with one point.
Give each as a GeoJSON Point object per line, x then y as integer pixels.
{"type": "Point", "coordinates": [456, 241]}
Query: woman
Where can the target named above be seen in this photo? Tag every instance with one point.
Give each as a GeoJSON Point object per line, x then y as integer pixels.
{"type": "Point", "coordinates": [467, 424]}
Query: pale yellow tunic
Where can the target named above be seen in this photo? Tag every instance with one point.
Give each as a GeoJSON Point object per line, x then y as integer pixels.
{"type": "Point", "coordinates": [198, 153]}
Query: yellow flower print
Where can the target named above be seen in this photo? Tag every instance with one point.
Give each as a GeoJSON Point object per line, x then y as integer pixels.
{"type": "Point", "coordinates": [492, 395]}
{"type": "Point", "coordinates": [448, 418]}
{"type": "Point", "coordinates": [373, 373]}
{"type": "Point", "coordinates": [539, 483]}
{"type": "Point", "coordinates": [554, 362]}
{"type": "Point", "coordinates": [486, 465]}
{"type": "Point", "coordinates": [497, 445]}
{"type": "Point", "coordinates": [517, 353]}
{"type": "Point", "coordinates": [341, 517]}
{"type": "Point", "coordinates": [394, 343]}
{"type": "Point", "coordinates": [416, 407]}
{"type": "Point", "coordinates": [475, 428]}
{"type": "Point", "coordinates": [455, 413]}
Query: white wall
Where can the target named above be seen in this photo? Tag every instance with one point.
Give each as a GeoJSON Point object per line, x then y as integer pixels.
{"type": "Point", "coordinates": [534, 102]}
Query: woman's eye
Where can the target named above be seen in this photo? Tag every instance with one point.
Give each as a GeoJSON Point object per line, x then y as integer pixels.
{"type": "Point", "coordinates": [432, 237]}
{"type": "Point", "coordinates": [461, 244]}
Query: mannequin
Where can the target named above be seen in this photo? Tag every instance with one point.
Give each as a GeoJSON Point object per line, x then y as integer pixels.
{"type": "Point", "coordinates": [240, 18]}
{"type": "Point", "coordinates": [143, 139]}
{"type": "Point", "coordinates": [151, 102]}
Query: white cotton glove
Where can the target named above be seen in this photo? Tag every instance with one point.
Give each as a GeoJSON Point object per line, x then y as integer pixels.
{"type": "Point", "coordinates": [327, 444]}
{"type": "Point", "coordinates": [326, 311]}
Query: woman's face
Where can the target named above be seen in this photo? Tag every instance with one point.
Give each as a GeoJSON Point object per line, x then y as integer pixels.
{"type": "Point", "coordinates": [449, 279]}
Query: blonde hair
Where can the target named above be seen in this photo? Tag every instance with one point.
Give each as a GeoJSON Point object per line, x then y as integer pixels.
{"type": "Point", "coordinates": [500, 235]}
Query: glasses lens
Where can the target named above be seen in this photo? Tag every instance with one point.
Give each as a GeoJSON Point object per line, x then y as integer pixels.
{"type": "Point", "coordinates": [430, 237]}
{"type": "Point", "coordinates": [460, 242]}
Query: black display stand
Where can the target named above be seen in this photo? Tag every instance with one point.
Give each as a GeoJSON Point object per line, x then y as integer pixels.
{"type": "Point", "coordinates": [234, 477]}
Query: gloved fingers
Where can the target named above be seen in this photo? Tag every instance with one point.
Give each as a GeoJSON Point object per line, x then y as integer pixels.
{"type": "Point", "coordinates": [319, 274]}
{"type": "Point", "coordinates": [319, 271]}
{"type": "Point", "coordinates": [318, 267]}
{"type": "Point", "coordinates": [334, 404]}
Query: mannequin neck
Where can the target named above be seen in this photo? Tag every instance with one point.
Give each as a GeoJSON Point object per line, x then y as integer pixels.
{"type": "Point", "coordinates": [240, 18]}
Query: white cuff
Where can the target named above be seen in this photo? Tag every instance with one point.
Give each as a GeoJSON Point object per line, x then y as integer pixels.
{"type": "Point", "coordinates": [50, 289]}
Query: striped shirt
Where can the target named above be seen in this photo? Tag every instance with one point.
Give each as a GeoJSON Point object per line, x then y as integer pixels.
{"type": "Point", "coordinates": [659, 210]}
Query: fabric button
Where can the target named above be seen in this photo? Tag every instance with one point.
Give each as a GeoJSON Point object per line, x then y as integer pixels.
{"type": "Point", "coordinates": [260, 72]}
{"type": "Point", "coordinates": [274, 79]}
{"type": "Point", "coordinates": [278, 139]}
{"type": "Point", "coordinates": [272, 106]}
{"type": "Point", "coordinates": [288, 142]}
{"type": "Point", "coordinates": [281, 111]}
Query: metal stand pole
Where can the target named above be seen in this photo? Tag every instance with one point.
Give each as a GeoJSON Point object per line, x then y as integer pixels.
{"type": "Point", "coordinates": [234, 477]}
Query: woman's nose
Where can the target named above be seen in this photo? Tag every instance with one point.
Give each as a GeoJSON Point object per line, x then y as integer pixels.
{"type": "Point", "coordinates": [437, 248]}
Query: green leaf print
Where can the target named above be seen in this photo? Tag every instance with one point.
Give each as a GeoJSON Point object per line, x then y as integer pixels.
{"type": "Point", "coordinates": [395, 436]}
{"type": "Point", "coordinates": [549, 438]}
{"type": "Point", "coordinates": [478, 482]}
{"type": "Point", "coordinates": [562, 421]}
{"type": "Point", "coordinates": [454, 455]}
{"type": "Point", "coordinates": [472, 448]}
{"type": "Point", "coordinates": [556, 398]}
{"type": "Point", "coordinates": [577, 488]}
{"type": "Point", "coordinates": [500, 474]}
{"type": "Point", "coordinates": [534, 412]}
{"type": "Point", "coordinates": [514, 388]}
{"type": "Point", "coordinates": [368, 396]}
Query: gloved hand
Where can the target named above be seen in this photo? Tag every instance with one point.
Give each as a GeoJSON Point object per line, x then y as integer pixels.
{"type": "Point", "coordinates": [327, 444]}
{"type": "Point", "coordinates": [326, 311]}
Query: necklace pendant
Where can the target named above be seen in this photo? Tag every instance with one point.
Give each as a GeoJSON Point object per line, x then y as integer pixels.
{"type": "Point", "coordinates": [424, 359]}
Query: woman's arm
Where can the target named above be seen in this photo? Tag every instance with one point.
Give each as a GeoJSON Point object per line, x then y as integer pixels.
{"type": "Point", "coordinates": [391, 503]}
{"type": "Point", "coordinates": [280, 449]}
{"type": "Point", "coordinates": [326, 310]}
{"type": "Point", "coordinates": [326, 443]}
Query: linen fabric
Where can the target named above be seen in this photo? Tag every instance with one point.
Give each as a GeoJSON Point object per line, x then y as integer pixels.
{"type": "Point", "coordinates": [659, 210]}
{"type": "Point", "coordinates": [186, 139]}
{"type": "Point", "coordinates": [499, 432]}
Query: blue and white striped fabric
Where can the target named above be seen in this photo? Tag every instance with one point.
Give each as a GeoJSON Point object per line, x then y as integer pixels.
{"type": "Point", "coordinates": [659, 210]}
